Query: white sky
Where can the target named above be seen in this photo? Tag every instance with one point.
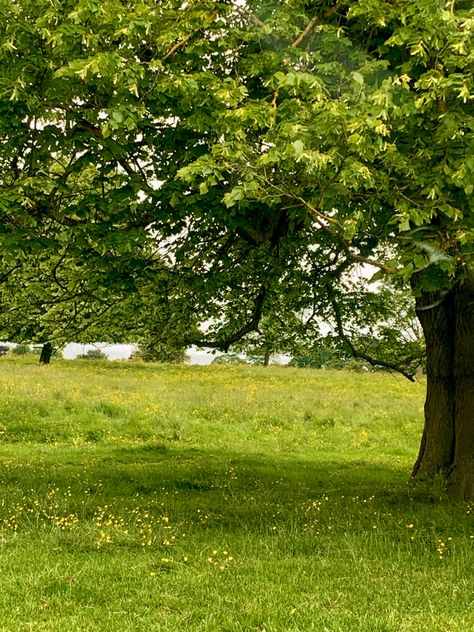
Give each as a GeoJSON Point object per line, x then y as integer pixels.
{"type": "Point", "coordinates": [122, 352]}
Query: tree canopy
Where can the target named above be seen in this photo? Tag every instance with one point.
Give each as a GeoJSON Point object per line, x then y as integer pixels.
{"type": "Point", "coordinates": [227, 162]}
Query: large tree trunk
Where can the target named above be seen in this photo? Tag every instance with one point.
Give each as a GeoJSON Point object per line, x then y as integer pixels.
{"type": "Point", "coordinates": [436, 451]}
{"type": "Point", "coordinates": [462, 480]}
{"type": "Point", "coordinates": [447, 446]}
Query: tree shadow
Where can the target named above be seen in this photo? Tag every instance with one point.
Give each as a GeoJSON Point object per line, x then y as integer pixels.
{"type": "Point", "coordinates": [228, 485]}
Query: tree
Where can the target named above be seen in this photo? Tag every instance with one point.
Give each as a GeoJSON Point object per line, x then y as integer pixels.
{"type": "Point", "coordinates": [151, 351]}
{"type": "Point", "coordinates": [93, 354]}
{"type": "Point", "coordinates": [280, 331]}
{"type": "Point", "coordinates": [329, 352]}
{"type": "Point", "coordinates": [217, 156]}
{"type": "Point", "coordinates": [229, 359]}
{"type": "Point", "coordinates": [46, 353]}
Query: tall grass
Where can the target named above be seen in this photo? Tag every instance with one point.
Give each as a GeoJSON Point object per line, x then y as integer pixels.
{"type": "Point", "coordinates": [139, 497]}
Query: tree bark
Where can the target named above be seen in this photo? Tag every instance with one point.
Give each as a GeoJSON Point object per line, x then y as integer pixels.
{"type": "Point", "coordinates": [462, 480]}
{"type": "Point", "coordinates": [436, 449]}
{"type": "Point", "coordinates": [447, 445]}
{"type": "Point", "coordinates": [266, 357]}
{"type": "Point", "coordinates": [46, 353]}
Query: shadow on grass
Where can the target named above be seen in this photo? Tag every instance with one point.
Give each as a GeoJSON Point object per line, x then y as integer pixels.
{"type": "Point", "coordinates": [228, 488]}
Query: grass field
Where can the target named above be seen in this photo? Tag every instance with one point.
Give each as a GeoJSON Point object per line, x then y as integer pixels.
{"type": "Point", "coordinates": [141, 498]}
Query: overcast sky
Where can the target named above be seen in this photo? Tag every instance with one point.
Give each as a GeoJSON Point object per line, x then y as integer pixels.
{"type": "Point", "coordinates": [122, 352]}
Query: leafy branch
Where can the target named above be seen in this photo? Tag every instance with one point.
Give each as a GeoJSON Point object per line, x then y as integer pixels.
{"type": "Point", "coordinates": [324, 221]}
{"type": "Point", "coordinates": [355, 352]}
{"type": "Point", "coordinates": [250, 325]}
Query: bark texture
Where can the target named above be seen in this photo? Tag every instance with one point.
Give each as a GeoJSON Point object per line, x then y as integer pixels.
{"type": "Point", "coordinates": [447, 445]}
{"type": "Point", "coordinates": [462, 480]}
{"type": "Point", "coordinates": [266, 358]}
{"type": "Point", "coordinates": [46, 352]}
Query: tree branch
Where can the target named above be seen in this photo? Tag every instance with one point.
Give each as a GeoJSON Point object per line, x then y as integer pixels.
{"type": "Point", "coordinates": [333, 9]}
{"type": "Point", "coordinates": [368, 260]}
{"type": "Point", "coordinates": [54, 271]}
{"type": "Point", "coordinates": [358, 354]}
{"type": "Point", "coordinates": [304, 33]}
{"type": "Point", "coordinates": [5, 275]}
{"type": "Point", "coordinates": [185, 39]}
{"type": "Point", "coordinates": [256, 20]}
{"type": "Point", "coordinates": [97, 134]}
{"type": "Point", "coordinates": [178, 45]}
{"type": "Point", "coordinates": [322, 219]}
{"type": "Point", "coordinates": [251, 325]}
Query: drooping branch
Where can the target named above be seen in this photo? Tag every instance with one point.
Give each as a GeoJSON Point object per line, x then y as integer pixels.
{"type": "Point", "coordinates": [227, 342]}
{"type": "Point", "coordinates": [71, 325]}
{"type": "Point", "coordinates": [55, 270]}
{"type": "Point", "coordinates": [355, 352]}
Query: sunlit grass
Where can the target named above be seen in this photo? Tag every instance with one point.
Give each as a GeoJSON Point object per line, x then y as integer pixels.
{"type": "Point", "coordinates": [231, 499]}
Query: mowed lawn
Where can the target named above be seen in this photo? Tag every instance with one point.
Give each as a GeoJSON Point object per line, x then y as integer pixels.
{"type": "Point", "coordinates": [158, 498]}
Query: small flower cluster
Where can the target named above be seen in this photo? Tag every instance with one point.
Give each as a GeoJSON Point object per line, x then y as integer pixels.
{"type": "Point", "coordinates": [442, 548]}
{"type": "Point", "coordinates": [203, 517]}
{"type": "Point", "coordinates": [220, 560]}
{"type": "Point", "coordinates": [53, 510]}
{"type": "Point", "coordinates": [140, 524]}
{"type": "Point", "coordinates": [312, 511]}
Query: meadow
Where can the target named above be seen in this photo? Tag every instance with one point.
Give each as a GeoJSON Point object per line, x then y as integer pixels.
{"type": "Point", "coordinates": [231, 499]}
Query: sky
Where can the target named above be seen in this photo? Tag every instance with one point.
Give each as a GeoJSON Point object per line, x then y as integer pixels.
{"type": "Point", "coordinates": [122, 352]}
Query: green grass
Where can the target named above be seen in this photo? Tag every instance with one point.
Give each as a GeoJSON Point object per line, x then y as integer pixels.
{"type": "Point", "coordinates": [227, 499]}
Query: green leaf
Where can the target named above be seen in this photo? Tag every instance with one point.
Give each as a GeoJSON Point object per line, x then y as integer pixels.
{"type": "Point", "coordinates": [234, 196]}
{"type": "Point", "coordinates": [117, 116]}
{"type": "Point", "coordinates": [298, 146]}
